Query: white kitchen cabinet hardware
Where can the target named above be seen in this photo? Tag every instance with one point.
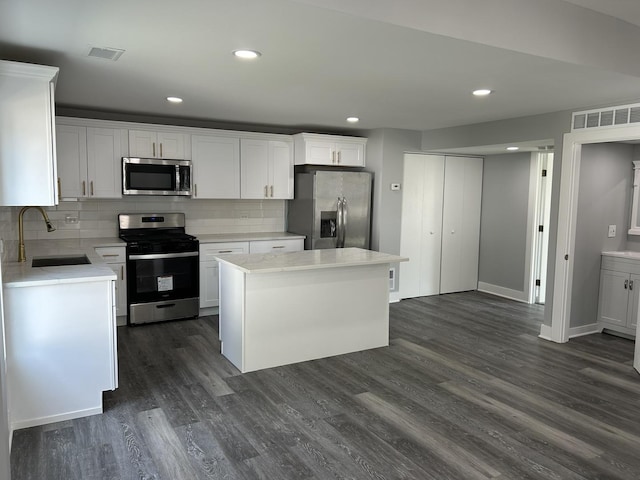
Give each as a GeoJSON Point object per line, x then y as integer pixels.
{"type": "Point", "coordinates": [28, 170]}
{"type": "Point", "coordinates": [618, 296]}
{"type": "Point", "coordinates": [440, 225]}
{"type": "Point", "coordinates": [158, 144]}
{"type": "Point", "coordinates": [89, 161]}
{"type": "Point", "coordinates": [266, 169]}
{"type": "Point", "coordinates": [216, 166]}
{"type": "Point", "coordinates": [334, 150]}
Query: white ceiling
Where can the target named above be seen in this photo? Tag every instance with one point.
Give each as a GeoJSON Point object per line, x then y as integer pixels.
{"type": "Point", "coordinates": [319, 65]}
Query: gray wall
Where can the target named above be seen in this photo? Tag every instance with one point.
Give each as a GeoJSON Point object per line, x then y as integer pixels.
{"type": "Point", "coordinates": [503, 224]}
{"type": "Point", "coordinates": [385, 158]}
{"type": "Point", "coordinates": [603, 199]}
{"type": "Point", "coordinates": [538, 127]}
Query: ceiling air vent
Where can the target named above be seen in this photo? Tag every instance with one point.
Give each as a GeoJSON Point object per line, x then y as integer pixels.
{"type": "Point", "coordinates": [105, 53]}
{"type": "Point", "coordinates": [608, 117]}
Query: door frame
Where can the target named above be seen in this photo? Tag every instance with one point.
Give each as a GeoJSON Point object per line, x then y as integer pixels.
{"type": "Point", "coordinates": [558, 331]}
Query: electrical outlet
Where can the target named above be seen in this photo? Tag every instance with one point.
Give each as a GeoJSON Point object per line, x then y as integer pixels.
{"type": "Point", "coordinates": [612, 231]}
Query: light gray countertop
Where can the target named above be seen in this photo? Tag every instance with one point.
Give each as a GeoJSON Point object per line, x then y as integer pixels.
{"type": "Point", "coordinates": [247, 237]}
{"type": "Point", "coordinates": [17, 274]}
{"type": "Point", "coordinates": [307, 260]}
{"type": "Point", "coordinates": [623, 254]}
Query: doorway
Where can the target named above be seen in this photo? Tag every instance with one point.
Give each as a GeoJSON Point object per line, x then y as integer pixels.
{"type": "Point", "coordinates": [542, 173]}
{"type": "Point", "coordinates": [558, 331]}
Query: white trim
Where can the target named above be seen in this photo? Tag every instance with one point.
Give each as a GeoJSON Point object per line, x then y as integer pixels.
{"type": "Point", "coordinates": [565, 243]}
{"type": "Point", "coordinates": [34, 422]}
{"type": "Point", "coordinates": [545, 332]}
{"type": "Point", "coordinates": [517, 295]}
{"type": "Point", "coordinates": [532, 217]}
{"type": "Point", "coordinates": [394, 297]}
{"type": "Point", "coordinates": [584, 330]}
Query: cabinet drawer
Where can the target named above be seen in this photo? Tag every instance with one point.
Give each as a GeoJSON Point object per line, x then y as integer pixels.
{"type": "Point", "coordinates": [112, 254]}
{"type": "Point", "coordinates": [208, 251]}
{"type": "Point", "coordinates": [275, 246]}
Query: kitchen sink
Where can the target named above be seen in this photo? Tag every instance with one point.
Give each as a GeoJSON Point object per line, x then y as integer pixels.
{"type": "Point", "coordinates": [60, 260]}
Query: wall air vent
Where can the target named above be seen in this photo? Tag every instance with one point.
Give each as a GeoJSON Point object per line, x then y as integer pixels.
{"type": "Point", "coordinates": [606, 117]}
{"type": "Point", "coordinates": [105, 53]}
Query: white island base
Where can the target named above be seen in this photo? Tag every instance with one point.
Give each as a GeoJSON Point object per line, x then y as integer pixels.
{"type": "Point", "coordinates": [299, 306]}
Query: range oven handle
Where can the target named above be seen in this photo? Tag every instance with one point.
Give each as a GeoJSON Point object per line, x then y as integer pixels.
{"type": "Point", "coordinates": [157, 256]}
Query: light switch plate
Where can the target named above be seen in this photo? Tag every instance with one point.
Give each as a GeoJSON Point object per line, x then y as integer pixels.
{"type": "Point", "coordinates": [612, 231]}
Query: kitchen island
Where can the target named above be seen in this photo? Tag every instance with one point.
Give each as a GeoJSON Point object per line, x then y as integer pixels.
{"type": "Point", "coordinates": [277, 309]}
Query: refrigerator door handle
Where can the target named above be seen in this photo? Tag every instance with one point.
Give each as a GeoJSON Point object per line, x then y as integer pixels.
{"type": "Point", "coordinates": [345, 210]}
{"type": "Point", "coordinates": [339, 222]}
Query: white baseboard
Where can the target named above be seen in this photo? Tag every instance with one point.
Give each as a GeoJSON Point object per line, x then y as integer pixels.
{"type": "Point", "coordinates": [516, 295]}
{"type": "Point", "coordinates": [584, 330]}
{"type": "Point", "coordinates": [34, 422]}
{"type": "Point", "coordinates": [394, 297]}
{"type": "Point", "coordinates": [545, 332]}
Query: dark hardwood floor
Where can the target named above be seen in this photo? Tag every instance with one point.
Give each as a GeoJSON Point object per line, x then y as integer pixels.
{"type": "Point", "coordinates": [465, 390]}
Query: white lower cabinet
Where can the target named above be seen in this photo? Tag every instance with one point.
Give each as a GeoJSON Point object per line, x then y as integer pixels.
{"type": "Point", "coordinates": [209, 283]}
{"type": "Point", "coordinates": [61, 350]}
{"type": "Point", "coordinates": [276, 246]}
{"type": "Point", "coordinates": [115, 257]}
{"type": "Point", "coordinates": [618, 298]}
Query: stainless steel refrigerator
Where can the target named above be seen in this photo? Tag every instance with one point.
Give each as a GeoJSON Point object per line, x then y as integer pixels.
{"type": "Point", "coordinates": [332, 208]}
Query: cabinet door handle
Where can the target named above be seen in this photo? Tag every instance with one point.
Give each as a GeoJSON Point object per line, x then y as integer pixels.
{"type": "Point", "coordinates": [266, 190]}
{"type": "Point", "coordinates": [121, 272]}
{"type": "Point", "coordinates": [92, 188]}
{"type": "Point", "coordinates": [278, 246]}
{"type": "Point", "coordinates": [225, 251]}
{"type": "Point", "coordinates": [271, 187]}
{"type": "Point", "coordinates": [195, 189]}
{"type": "Point", "coordinates": [160, 150]}
{"type": "Point", "coordinates": [84, 188]}
{"type": "Point", "coordinates": [154, 149]}
{"type": "Point", "coordinates": [631, 285]}
{"type": "Point", "coordinates": [333, 156]}
{"type": "Point", "coordinates": [105, 255]}
{"type": "Point", "coordinates": [59, 190]}
{"type": "Point", "coordinates": [626, 284]}
{"type": "Point", "coordinates": [339, 155]}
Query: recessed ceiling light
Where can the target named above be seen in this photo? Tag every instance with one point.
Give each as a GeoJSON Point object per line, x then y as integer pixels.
{"type": "Point", "coordinates": [247, 54]}
{"type": "Point", "coordinates": [353, 119]}
{"type": "Point", "coordinates": [174, 99]}
{"type": "Point", "coordinates": [482, 92]}
{"type": "Point", "coordinates": [513, 149]}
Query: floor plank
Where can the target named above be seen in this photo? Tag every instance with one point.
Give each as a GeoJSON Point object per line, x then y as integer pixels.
{"type": "Point", "coordinates": [465, 390]}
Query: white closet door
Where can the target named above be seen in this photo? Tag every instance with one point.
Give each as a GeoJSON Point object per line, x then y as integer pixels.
{"type": "Point", "coordinates": [461, 224]}
{"type": "Point", "coordinates": [421, 225]}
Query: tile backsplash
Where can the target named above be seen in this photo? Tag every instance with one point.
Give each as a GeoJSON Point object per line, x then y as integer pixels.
{"type": "Point", "coordinates": [99, 218]}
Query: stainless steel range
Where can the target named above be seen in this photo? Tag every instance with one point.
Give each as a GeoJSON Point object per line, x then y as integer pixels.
{"type": "Point", "coordinates": [162, 267]}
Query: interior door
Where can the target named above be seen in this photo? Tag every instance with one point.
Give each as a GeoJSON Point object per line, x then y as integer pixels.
{"type": "Point", "coordinates": [421, 225]}
{"type": "Point", "coordinates": [461, 224]}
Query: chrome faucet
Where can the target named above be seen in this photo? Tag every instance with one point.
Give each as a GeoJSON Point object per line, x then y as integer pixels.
{"type": "Point", "coordinates": [50, 228]}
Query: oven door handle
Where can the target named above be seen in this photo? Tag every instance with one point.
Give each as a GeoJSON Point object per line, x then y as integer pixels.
{"type": "Point", "coordinates": [157, 256]}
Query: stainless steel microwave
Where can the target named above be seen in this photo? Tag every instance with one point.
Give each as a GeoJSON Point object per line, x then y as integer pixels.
{"type": "Point", "coordinates": [155, 176]}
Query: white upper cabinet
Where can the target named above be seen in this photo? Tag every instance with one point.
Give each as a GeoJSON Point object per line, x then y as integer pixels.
{"type": "Point", "coordinates": [151, 144]}
{"type": "Point", "coordinates": [89, 161]}
{"type": "Point", "coordinates": [266, 169]}
{"type": "Point", "coordinates": [331, 150]}
{"type": "Point", "coordinates": [216, 166]}
{"type": "Point", "coordinates": [27, 135]}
